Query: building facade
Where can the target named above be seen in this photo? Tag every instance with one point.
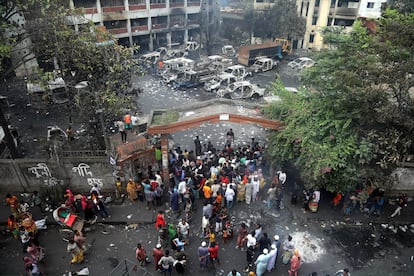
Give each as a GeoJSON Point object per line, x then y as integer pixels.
{"type": "Point", "coordinates": [322, 13]}
{"type": "Point", "coordinates": [151, 23]}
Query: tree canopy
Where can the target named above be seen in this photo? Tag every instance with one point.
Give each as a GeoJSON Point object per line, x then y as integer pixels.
{"type": "Point", "coordinates": [354, 120]}
{"type": "Point", "coordinates": [280, 21]}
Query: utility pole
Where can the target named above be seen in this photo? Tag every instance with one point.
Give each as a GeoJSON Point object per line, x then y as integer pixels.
{"type": "Point", "coordinates": [7, 136]}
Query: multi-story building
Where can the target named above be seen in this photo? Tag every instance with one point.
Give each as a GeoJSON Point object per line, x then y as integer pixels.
{"type": "Point", "coordinates": [322, 13]}
{"type": "Point", "coordinates": [151, 23]}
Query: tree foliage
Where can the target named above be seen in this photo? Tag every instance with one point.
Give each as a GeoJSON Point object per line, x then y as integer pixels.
{"type": "Point", "coordinates": [355, 120]}
{"type": "Point", "coordinates": [281, 20]}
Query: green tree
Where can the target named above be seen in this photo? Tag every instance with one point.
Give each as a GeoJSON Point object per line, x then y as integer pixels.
{"type": "Point", "coordinates": [355, 121]}
{"type": "Point", "coordinates": [280, 21]}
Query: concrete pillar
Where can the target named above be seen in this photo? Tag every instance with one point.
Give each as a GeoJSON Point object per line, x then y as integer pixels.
{"type": "Point", "coordinates": [164, 151]}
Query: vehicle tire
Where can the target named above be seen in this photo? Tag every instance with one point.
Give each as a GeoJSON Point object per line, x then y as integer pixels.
{"type": "Point", "coordinates": [227, 96]}
{"type": "Point", "coordinates": [66, 234]}
{"type": "Point", "coordinates": [255, 96]}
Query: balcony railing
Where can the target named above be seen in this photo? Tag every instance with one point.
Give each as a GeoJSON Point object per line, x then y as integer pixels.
{"type": "Point", "coordinates": [139, 28]}
{"type": "Point", "coordinates": [90, 10]}
{"type": "Point", "coordinates": [137, 7]}
{"type": "Point", "coordinates": [193, 3]}
{"type": "Point", "coordinates": [174, 5]}
{"type": "Point", "coordinates": [118, 31]}
{"type": "Point", "coordinates": [158, 6]}
{"type": "Point", "coordinates": [344, 11]}
{"type": "Point", "coordinates": [159, 26]}
{"type": "Point", "coordinates": [113, 9]}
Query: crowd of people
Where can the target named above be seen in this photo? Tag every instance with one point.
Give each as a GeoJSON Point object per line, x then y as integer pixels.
{"type": "Point", "coordinates": [23, 227]}
{"type": "Point", "coordinates": [218, 179]}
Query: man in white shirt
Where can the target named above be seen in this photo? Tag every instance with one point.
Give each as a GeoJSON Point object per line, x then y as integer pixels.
{"type": "Point", "coordinates": [229, 195]}
{"type": "Point", "coordinates": [183, 230]}
{"type": "Point", "coordinates": [182, 187]}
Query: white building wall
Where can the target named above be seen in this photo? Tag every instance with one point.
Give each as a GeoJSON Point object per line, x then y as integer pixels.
{"type": "Point", "coordinates": [370, 8]}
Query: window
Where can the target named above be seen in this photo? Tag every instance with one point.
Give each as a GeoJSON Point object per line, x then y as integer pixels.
{"type": "Point", "coordinates": [314, 20]}
{"type": "Point", "coordinates": [370, 5]}
{"type": "Point", "coordinates": [316, 3]}
{"type": "Point", "coordinates": [311, 38]}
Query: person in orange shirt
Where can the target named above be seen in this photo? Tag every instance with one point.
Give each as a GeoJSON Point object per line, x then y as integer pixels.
{"type": "Point", "coordinates": [207, 192]}
{"type": "Point", "coordinates": [128, 122]}
{"type": "Point", "coordinates": [13, 202]}
{"type": "Point", "coordinates": [160, 221]}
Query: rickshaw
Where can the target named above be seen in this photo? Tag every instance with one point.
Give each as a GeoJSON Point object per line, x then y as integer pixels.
{"type": "Point", "coordinates": [69, 221]}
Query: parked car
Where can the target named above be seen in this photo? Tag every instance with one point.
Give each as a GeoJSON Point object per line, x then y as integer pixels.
{"type": "Point", "coordinates": [301, 63]}
{"type": "Point", "coordinates": [241, 90]}
{"type": "Point", "coordinates": [263, 64]}
{"type": "Point", "coordinates": [239, 71]}
{"type": "Point", "coordinates": [220, 81]}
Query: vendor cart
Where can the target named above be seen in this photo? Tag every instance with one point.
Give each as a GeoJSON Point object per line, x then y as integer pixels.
{"type": "Point", "coordinates": [69, 221]}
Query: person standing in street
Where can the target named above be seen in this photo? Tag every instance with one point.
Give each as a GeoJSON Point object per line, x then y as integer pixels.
{"type": "Point", "coordinates": [166, 263]}
{"type": "Point", "coordinates": [160, 220]}
{"type": "Point", "coordinates": [203, 255]}
{"type": "Point", "coordinates": [157, 253]}
{"type": "Point", "coordinates": [131, 190]}
{"type": "Point", "coordinates": [272, 258]}
{"type": "Point", "coordinates": [243, 231]}
{"type": "Point", "coordinates": [213, 252]}
{"type": "Point", "coordinates": [121, 128]}
{"type": "Point", "coordinates": [141, 254]}
{"type": "Point", "coordinates": [229, 195]}
{"type": "Point", "coordinates": [13, 202]}
{"type": "Point", "coordinates": [261, 262]}
{"type": "Point", "coordinates": [295, 263]}
{"type": "Point", "coordinates": [197, 145]}
{"type": "Point", "coordinates": [229, 137]}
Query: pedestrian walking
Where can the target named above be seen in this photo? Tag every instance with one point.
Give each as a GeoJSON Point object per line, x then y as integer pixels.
{"type": "Point", "coordinates": [174, 201]}
{"type": "Point", "coordinates": [261, 262]}
{"type": "Point", "coordinates": [203, 255]}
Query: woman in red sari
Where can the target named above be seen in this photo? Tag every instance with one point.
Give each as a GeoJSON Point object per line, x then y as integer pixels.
{"type": "Point", "coordinates": [295, 263]}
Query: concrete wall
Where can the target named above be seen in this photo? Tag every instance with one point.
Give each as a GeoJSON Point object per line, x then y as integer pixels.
{"type": "Point", "coordinates": [27, 175]}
